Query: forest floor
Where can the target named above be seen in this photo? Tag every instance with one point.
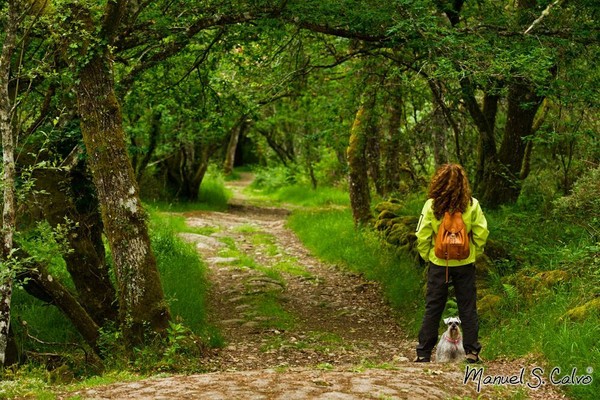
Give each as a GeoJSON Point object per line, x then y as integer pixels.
{"type": "Point", "coordinates": [297, 328]}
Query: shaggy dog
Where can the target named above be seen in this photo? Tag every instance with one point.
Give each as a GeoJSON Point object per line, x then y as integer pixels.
{"type": "Point", "coordinates": [450, 348]}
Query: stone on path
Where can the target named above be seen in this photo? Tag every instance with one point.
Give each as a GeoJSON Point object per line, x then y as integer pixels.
{"type": "Point", "coordinates": [201, 241]}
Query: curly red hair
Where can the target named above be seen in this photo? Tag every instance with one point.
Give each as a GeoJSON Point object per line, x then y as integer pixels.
{"type": "Point", "coordinates": [449, 188]}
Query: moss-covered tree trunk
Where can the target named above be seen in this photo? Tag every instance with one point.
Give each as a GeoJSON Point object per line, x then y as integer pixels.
{"type": "Point", "coordinates": [8, 178]}
{"type": "Point", "coordinates": [360, 198]}
{"type": "Point", "coordinates": [141, 296]}
{"type": "Point", "coordinates": [392, 145]}
{"type": "Point", "coordinates": [71, 195]}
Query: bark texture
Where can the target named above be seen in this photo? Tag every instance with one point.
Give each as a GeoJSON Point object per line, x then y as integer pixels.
{"type": "Point", "coordinates": [8, 160]}
{"type": "Point", "coordinates": [141, 297]}
{"type": "Point", "coordinates": [360, 198]}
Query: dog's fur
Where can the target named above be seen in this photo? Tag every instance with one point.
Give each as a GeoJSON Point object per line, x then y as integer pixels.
{"type": "Point", "coordinates": [450, 348]}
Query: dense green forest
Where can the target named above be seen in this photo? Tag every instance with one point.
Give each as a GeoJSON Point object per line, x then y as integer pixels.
{"type": "Point", "coordinates": [113, 112]}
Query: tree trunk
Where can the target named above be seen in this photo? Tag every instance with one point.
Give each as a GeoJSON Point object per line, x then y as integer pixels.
{"type": "Point", "coordinates": [501, 180]}
{"type": "Point", "coordinates": [8, 160]}
{"type": "Point", "coordinates": [438, 136]}
{"type": "Point", "coordinates": [485, 121]}
{"type": "Point", "coordinates": [200, 171]}
{"type": "Point", "coordinates": [236, 132]}
{"type": "Point", "coordinates": [141, 297]}
{"type": "Point", "coordinates": [360, 198]}
{"type": "Point", "coordinates": [86, 263]}
{"type": "Point", "coordinates": [153, 141]}
{"type": "Point", "coordinates": [392, 144]}
{"type": "Point", "coordinates": [63, 299]}
{"type": "Point", "coordinates": [373, 153]}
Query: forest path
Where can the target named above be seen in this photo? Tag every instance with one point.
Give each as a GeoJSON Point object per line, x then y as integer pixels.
{"type": "Point", "coordinates": [297, 328]}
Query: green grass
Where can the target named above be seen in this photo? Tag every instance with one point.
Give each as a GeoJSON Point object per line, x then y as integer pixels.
{"type": "Point", "coordinates": [536, 326]}
{"type": "Point", "coordinates": [267, 306]}
{"type": "Point", "coordinates": [183, 275]}
{"type": "Point", "coordinates": [176, 222]}
{"type": "Point", "coordinates": [213, 196]}
{"type": "Point", "coordinates": [275, 185]}
{"type": "Point", "coordinates": [306, 196]}
{"type": "Point", "coordinates": [213, 192]}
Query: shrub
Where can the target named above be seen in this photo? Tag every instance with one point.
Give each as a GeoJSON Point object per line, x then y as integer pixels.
{"type": "Point", "coordinates": [538, 192]}
{"type": "Point", "coordinates": [213, 191]}
{"type": "Point", "coordinates": [584, 203]}
{"type": "Point", "coordinates": [273, 178]}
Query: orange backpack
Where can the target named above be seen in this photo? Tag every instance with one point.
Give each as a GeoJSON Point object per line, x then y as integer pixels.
{"type": "Point", "coordinates": [452, 240]}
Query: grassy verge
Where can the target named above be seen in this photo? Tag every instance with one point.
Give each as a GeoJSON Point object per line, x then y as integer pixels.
{"type": "Point", "coordinates": [531, 317]}
{"type": "Point", "coordinates": [185, 286]}
{"type": "Point", "coordinates": [551, 268]}
{"type": "Point", "coordinates": [183, 276]}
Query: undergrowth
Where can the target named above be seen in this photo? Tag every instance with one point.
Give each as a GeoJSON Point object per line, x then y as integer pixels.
{"type": "Point", "coordinates": [184, 281]}
{"type": "Point", "coordinates": [213, 196]}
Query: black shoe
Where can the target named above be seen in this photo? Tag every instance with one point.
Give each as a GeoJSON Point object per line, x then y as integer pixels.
{"type": "Point", "coordinates": [422, 359]}
{"type": "Point", "coordinates": [472, 358]}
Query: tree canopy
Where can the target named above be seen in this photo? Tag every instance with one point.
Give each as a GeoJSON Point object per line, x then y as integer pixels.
{"type": "Point", "coordinates": [106, 103]}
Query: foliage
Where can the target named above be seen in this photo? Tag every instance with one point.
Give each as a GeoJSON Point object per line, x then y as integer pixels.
{"type": "Point", "coordinates": [213, 192]}
{"type": "Point", "coordinates": [538, 191]}
{"type": "Point", "coordinates": [273, 178]}
{"type": "Point", "coordinates": [308, 197]}
{"type": "Point", "coordinates": [183, 276]}
{"type": "Point", "coordinates": [584, 203]}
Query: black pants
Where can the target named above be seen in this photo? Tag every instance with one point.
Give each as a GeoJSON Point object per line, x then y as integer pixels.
{"type": "Point", "coordinates": [463, 279]}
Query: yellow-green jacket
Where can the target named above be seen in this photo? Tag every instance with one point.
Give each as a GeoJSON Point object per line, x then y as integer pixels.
{"type": "Point", "coordinates": [427, 229]}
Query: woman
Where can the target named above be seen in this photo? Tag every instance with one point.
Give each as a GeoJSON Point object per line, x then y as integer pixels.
{"type": "Point", "coordinates": [449, 191]}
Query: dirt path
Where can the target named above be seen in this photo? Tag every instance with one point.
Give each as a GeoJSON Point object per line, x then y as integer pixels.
{"type": "Point", "coordinates": [297, 328]}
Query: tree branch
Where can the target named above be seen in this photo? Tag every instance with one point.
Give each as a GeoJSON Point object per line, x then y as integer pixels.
{"type": "Point", "coordinates": [541, 17]}
{"type": "Point", "coordinates": [183, 40]}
